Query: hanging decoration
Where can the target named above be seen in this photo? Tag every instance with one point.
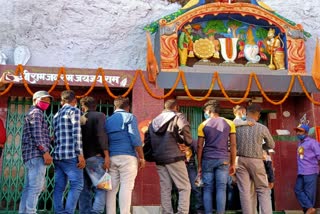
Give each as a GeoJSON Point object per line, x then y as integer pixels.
{"type": "Point", "coordinates": [180, 76]}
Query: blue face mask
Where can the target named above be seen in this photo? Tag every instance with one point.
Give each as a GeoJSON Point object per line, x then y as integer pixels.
{"type": "Point", "coordinates": [301, 136]}
{"type": "Point", "coordinates": [206, 116]}
{"type": "Point", "coordinates": [244, 117]}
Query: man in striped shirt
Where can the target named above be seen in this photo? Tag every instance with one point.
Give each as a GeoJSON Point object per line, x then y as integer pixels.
{"type": "Point", "coordinates": [68, 155]}
{"type": "Point", "coordinates": [250, 163]}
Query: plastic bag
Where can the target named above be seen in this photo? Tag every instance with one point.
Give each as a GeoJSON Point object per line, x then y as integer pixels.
{"type": "Point", "coordinates": [105, 182]}
{"type": "Point", "coordinates": [198, 182]}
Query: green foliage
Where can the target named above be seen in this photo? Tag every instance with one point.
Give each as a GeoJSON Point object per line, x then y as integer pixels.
{"type": "Point", "coordinates": [153, 27]}
{"type": "Point", "coordinates": [234, 23]}
{"type": "Point", "coordinates": [261, 33]}
{"type": "Point", "coordinates": [215, 26]}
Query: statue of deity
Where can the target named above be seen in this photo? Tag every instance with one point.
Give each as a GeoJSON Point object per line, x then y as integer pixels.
{"type": "Point", "coordinates": [185, 45]}
{"type": "Point", "coordinates": [275, 49]}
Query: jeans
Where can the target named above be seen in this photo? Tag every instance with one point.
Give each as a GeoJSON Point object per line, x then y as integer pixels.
{"type": "Point", "coordinates": [123, 171]}
{"type": "Point", "coordinates": [35, 172]}
{"type": "Point", "coordinates": [215, 173]}
{"type": "Point", "coordinates": [196, 192]}
{"type": "Point", "coordinates": [64, 171]}
{"type": "Point", "coordinates": [306, 190]}
{"type": "Point", "coordinates": [92, 174]}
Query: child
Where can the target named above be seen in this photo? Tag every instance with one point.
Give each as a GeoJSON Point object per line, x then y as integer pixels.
{"type": "Point", "coordinates": [240, 116]}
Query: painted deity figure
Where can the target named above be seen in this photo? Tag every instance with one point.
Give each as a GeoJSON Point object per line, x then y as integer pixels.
{"type": "Point", "coordinates": [185, 45]}
{"type": "Point", "coordinates": [275, 49]}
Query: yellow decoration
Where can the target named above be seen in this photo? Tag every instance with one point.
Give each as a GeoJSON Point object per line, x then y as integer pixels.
{"type": "Point", "coordinates": [203, 48]}
{"type": "Point", "coordinates": [180, 76]}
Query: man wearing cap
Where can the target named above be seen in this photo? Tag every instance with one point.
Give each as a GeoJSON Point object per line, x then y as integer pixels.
{"type": "Point", "coordinates": [35, 151]}
{"type": "Point", "coordinates": [308, 156]}
{"type": "Point", "coordinates": [68, 155]}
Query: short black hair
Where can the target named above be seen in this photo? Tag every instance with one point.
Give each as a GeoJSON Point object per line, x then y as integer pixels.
{"type": "Point", "coordinates": [254, 108]}
{"type": "Point", "coordinates": [213, 106]}
{"type": "Point", "coordinates": [170, 104]}
{"type": "Point", "coordinates": [121, 102]}
{"type": "Point", "coordinates": [89, 102]}
{"type": "Point", "coordinates": [68, 96]}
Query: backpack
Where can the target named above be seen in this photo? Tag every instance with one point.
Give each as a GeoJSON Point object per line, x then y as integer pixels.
{"type": "Point", "coordinates": [3, 133]}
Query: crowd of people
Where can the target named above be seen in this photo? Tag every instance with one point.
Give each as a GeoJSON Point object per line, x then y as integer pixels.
{"type": "Point", "coordinates": [86, 144]}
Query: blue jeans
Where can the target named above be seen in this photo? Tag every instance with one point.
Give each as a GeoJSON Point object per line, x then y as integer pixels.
{"type": "Point", "coordinates": [94, 171]}
{"type": "Point", "coordinates": [215, 173]}
{"type": "Point", "coordinates": [196, 192]}
{"type": "Point", "coordinates": [35, 172]}
{"type": "Point", "coordinates": [306, 190]}
{"type": "Point", "coordinates": [64, 171]}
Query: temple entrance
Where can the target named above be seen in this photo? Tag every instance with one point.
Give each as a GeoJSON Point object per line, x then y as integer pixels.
{"type": "Point", "coordinates": [12, 176]}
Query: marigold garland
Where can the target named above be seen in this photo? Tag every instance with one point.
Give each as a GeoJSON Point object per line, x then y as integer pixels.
{"type": "Point", "coordinates": [306, 91]}
{"type": "Point", "coordinates": [180, 75]}
{"type": "Point", "coordinates": [186, 89]}
{"type": "Point", "coordinates": [175, 85]}
{"type": "Point", "coordinates": [246, 94]}
{"type": "Point", "coordinates": [267, 98]}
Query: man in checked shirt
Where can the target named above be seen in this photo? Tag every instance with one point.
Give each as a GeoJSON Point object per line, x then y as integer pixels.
{"type": "Point", "coordinates": [68, 155]}
{"type": "Point", "coordinates": [35, 152]}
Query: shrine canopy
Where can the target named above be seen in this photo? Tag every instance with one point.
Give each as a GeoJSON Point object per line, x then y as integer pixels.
{"type": "Point", "coordinates": [237, 37]}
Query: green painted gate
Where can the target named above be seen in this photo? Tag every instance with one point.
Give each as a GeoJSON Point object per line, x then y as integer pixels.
{"type": "Point", "coordinates": [12, 176]}
{"type": "Point", "coordinates": [194, 116]}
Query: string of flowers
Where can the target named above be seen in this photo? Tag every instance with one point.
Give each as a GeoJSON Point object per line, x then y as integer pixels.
{"type": "Point", "coordinates": [175, 85]}
{"type": "Point", "coordinates": [306, 92]}
{"type": "Point", "coordinates": [92, 86]}
{"type": "Point", "coordinates": [180, 75]}
{"type": "Point", "coordinates": [246, 94]}
{"type": "Point", "coordinates": [265, 95]}
{"type": "Point", "coordinates": [186, 89]}
{"type": "Point", "coordinates": [56, 81]}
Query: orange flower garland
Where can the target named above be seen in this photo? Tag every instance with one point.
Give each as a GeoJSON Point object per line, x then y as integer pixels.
{"type": "Point", "coordinates": [306, 92]}
{"type": "Point", "coordinates": [184, 82]}
{"type": "Point", "coordinates": [265, 95]}
{"type": "Point", "coordinates": [246, 94]}
{"type": "Point", "coordinates": [180, 75]}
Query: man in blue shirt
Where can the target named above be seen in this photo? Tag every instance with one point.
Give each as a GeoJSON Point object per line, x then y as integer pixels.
{"type": "Point", "coordinates": [124, 145]}
{"type": "Point", "coordinates": [68, 155]}
{"type": "Point", "coordinates": [35, 151]}
{"type": "Point", "coordinates": [308, 156]}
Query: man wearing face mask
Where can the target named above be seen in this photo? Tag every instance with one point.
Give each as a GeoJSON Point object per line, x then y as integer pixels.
{"type": "Point", "coordinates": [68, 154]}
{"type": "Point", "coordinates": [215, 163]}
{"type": "Point", "coordinates": [308, 156]}
{"type": "Point", "coordinates": [35, 151]}
{"type": "Point", "coordinates": [241, 117]}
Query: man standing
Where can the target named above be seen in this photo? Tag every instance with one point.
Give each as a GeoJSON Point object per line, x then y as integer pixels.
{"type": "Point", "coordinates": [215, 163]}
{"type": "Point", "coordinates": [250, 163]}
{"type": "Point", "coordinates": [308, 156]}
{"type": "Point", "coordinates": [35, 152]}
{"type": "Point", "coordinates": [67, 155]}
{"type": "Point", "coordinates": [95, 150]}
{"type": "Point", "coordinates": [124, 145]}
{"type": "Point", "coordinates": [169, 133]}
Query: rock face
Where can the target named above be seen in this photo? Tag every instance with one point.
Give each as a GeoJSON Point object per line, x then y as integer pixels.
{"type": "Point", "coordinates": [109, 34]}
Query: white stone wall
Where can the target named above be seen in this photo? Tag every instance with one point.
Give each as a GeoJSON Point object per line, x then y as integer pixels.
{"type": "Point", "coordinates": [105, 33]}
{"type": "Point", "coordinates": [305, 12]}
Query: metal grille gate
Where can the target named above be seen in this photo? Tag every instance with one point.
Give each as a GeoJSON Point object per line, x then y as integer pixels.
{"type": "Point", "coordinates": [12, 176]}
{"type": "Point", "coordinates": [194, 116]}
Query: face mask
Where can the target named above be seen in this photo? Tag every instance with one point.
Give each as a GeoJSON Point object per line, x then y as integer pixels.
{"type": "Point", "coordinates": [301, 136]}
{"type": "Point", "coordinates": [43, 105]}
{"type": "Point", "coordinates": [206, 116]}
{"type": "Point", "coordinates": [244, 117]}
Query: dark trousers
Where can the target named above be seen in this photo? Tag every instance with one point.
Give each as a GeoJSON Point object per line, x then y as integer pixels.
{"type": "Point", "coordinates": [306, 190]}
